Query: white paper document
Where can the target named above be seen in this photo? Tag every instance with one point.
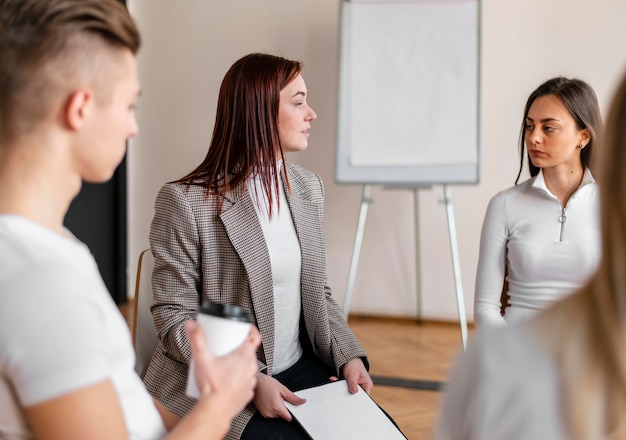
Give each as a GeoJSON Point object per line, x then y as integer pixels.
{"type": "Point", "coordinates": [332, 413]}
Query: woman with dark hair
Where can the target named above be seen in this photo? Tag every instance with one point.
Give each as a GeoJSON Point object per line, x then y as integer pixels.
{"type": "Point", "coordinates": [245, 228]}
{"type": "Point", "coordinates": [566, 367]}
{"type": "Point", "coordinates": [541, 238]}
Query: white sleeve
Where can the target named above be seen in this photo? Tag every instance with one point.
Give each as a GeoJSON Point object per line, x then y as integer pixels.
{"type": "Point", "coordinates": [491, 265]}
{"type": "Point", "coordinates": [505, 387]}
{"type": "Point", "coordinates": [52, 334]}
{"type": "Point", "coordinates": [461, 406]}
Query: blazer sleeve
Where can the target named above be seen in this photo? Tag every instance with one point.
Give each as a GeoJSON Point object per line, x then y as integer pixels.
{"type": "Point", "coordinates": [344, 344]}
{"type": "Point", "coordinates": [491, 264]}
{"type": "Point", "coordinates": [176, 279]}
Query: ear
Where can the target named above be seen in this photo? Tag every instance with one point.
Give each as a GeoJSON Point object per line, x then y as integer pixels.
{"type": "Point", "coordinates": [584, 137]}
{"type": "Point", "coordinates": [78, 108]}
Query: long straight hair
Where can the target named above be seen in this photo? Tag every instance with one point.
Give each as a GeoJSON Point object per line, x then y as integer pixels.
{"type": "Point", "coordinates": [245, 137]}
{"type": "Point", "coordinates": [587, 331]}
{"type": "Point", "coordinates": [581, 102]}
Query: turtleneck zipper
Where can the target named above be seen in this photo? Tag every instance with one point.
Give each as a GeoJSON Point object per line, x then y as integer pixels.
{"type": "Point", "coordinates": [562, 220]}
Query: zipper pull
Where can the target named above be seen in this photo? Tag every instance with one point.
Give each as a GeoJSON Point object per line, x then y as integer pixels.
{"type": "Point", "coordinates": [562, 220]}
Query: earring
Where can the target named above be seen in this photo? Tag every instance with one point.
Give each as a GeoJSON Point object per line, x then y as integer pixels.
{"type": "Point", "coordinates": [580, 146]}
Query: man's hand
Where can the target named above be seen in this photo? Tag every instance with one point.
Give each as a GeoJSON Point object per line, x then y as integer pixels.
{"type": "Point", "coordinates": [231, 379]}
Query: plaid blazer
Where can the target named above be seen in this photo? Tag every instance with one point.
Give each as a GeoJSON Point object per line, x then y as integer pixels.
{"type": "Point", "coordinates": [199, 255]}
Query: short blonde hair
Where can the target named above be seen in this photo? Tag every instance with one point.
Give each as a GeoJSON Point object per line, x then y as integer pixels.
{"type": "Point", "coordinates": [45, 45]}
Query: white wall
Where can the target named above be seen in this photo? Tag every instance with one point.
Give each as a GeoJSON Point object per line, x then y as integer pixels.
{"type": "Point", "coordinates": [189, 44]}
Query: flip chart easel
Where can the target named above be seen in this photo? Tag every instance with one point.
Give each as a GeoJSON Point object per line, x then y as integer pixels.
{"type": "Point", "coordinates": [366, 200]}
{"type": "Point", "coordinates": [408, 112]}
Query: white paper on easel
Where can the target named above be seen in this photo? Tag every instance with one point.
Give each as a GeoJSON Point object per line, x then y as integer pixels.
{"type": "Point", "coordinates": [332, 413]}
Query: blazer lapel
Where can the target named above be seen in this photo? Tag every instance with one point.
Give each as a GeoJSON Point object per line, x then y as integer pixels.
{"type": "Point", "coordinates": [305, 215]}
{"type": "Point", "coordinates": [244, 231]}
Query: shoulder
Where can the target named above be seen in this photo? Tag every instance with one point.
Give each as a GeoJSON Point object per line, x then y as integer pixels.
{"type": "Point", "coordinates": [497, 203]}
{"type": "Point", "coordinates": [500, 359]}
{"type": "Point", "coordinates": [48, 269]}
{"type": "Point", "coordinates": [179, 200]}
{"type": "Point", "coordinates": [509, 346]}
{"type": "Point", "coordinates": [35, 256]}
{"type": "Point", "coordinates": [305, 182]}
{"type": "Point", "coordinates": [502, 366]}
{"type": "Point", "coordinates": [514, 196]}
{"type": "Point", "coordinates": [180, 191]}
{"type": "Point", "coordinates": [517, 190]}
{"type": "Point", "coordinates": [300, 173]}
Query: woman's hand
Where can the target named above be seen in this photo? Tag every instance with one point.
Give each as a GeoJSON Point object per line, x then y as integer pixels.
{"type": "Point", "coordinates": [270, 395]}
{"type": "Point", "coordinates": [355, 374]}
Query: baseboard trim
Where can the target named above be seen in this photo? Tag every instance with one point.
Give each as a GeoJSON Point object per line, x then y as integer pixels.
{"type": "Point", "coordinates": [404, 319]}
{"type": "Point", "coordinates": [428, 385]}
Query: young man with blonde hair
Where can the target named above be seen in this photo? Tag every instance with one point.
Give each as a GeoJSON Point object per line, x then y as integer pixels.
{"type": "Point", "coordinates": [68, 86]}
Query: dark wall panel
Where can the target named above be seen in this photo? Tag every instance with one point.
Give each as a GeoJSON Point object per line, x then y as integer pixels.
{"type": "Point", "coordinates": [98, 218]}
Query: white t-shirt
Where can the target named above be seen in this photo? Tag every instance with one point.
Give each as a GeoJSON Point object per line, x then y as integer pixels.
{"type": "Point", "coordinates": [506, 387]}
{"type": "Point", "coordinates": [548, 256]}
{"type": "Point", "coordinates": [286, 261]}
{"type": "Point", "coordinates": [60, 330]}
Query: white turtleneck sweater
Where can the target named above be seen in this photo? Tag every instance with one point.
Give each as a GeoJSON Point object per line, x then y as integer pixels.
{"type": "Point", "coordinates": [549, 250]}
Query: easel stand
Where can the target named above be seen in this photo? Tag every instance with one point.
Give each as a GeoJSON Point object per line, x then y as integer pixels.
{"type": "Point", "coordinates": [456, 266]}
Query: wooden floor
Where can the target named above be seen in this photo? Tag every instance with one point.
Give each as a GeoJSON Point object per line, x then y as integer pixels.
{"type": "Point", "coordinates": [399, 348]}
{"type": "Point", "coordinates": [404, 349]}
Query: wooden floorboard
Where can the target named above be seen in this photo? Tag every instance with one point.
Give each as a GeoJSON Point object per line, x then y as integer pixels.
{"type": "Point", "coordinates": [408, 350]}
{"type": "Point", "coordinates": [402, 348]}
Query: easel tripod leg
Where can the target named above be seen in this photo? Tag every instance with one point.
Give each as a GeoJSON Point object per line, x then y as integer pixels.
{"type": "Point", "coordinates": [418, 262]}
{"type": "Point", "coordinates": [456, 265]}
{"type": "Point", "coordinates": [356, 251]}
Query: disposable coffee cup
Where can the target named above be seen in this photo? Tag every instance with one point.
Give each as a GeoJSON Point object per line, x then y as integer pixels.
{"type": "Point", "coordinates": [225, 327]}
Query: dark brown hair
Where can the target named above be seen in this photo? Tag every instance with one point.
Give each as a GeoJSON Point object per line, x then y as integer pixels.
{"type": "Point", "coordinates": [245, 137]}
{"type": "Point", "coordinates": [44, 43]}
{"type": "Point", "coordinates": [581, 102]}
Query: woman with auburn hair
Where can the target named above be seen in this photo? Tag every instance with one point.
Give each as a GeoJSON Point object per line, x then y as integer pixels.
{"type": "Point", "coordinates": [245, 228]}
{"type": "Point", "coordinates": [566, 367]}
{"type": "Point", "coordinates": [541, 239]}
